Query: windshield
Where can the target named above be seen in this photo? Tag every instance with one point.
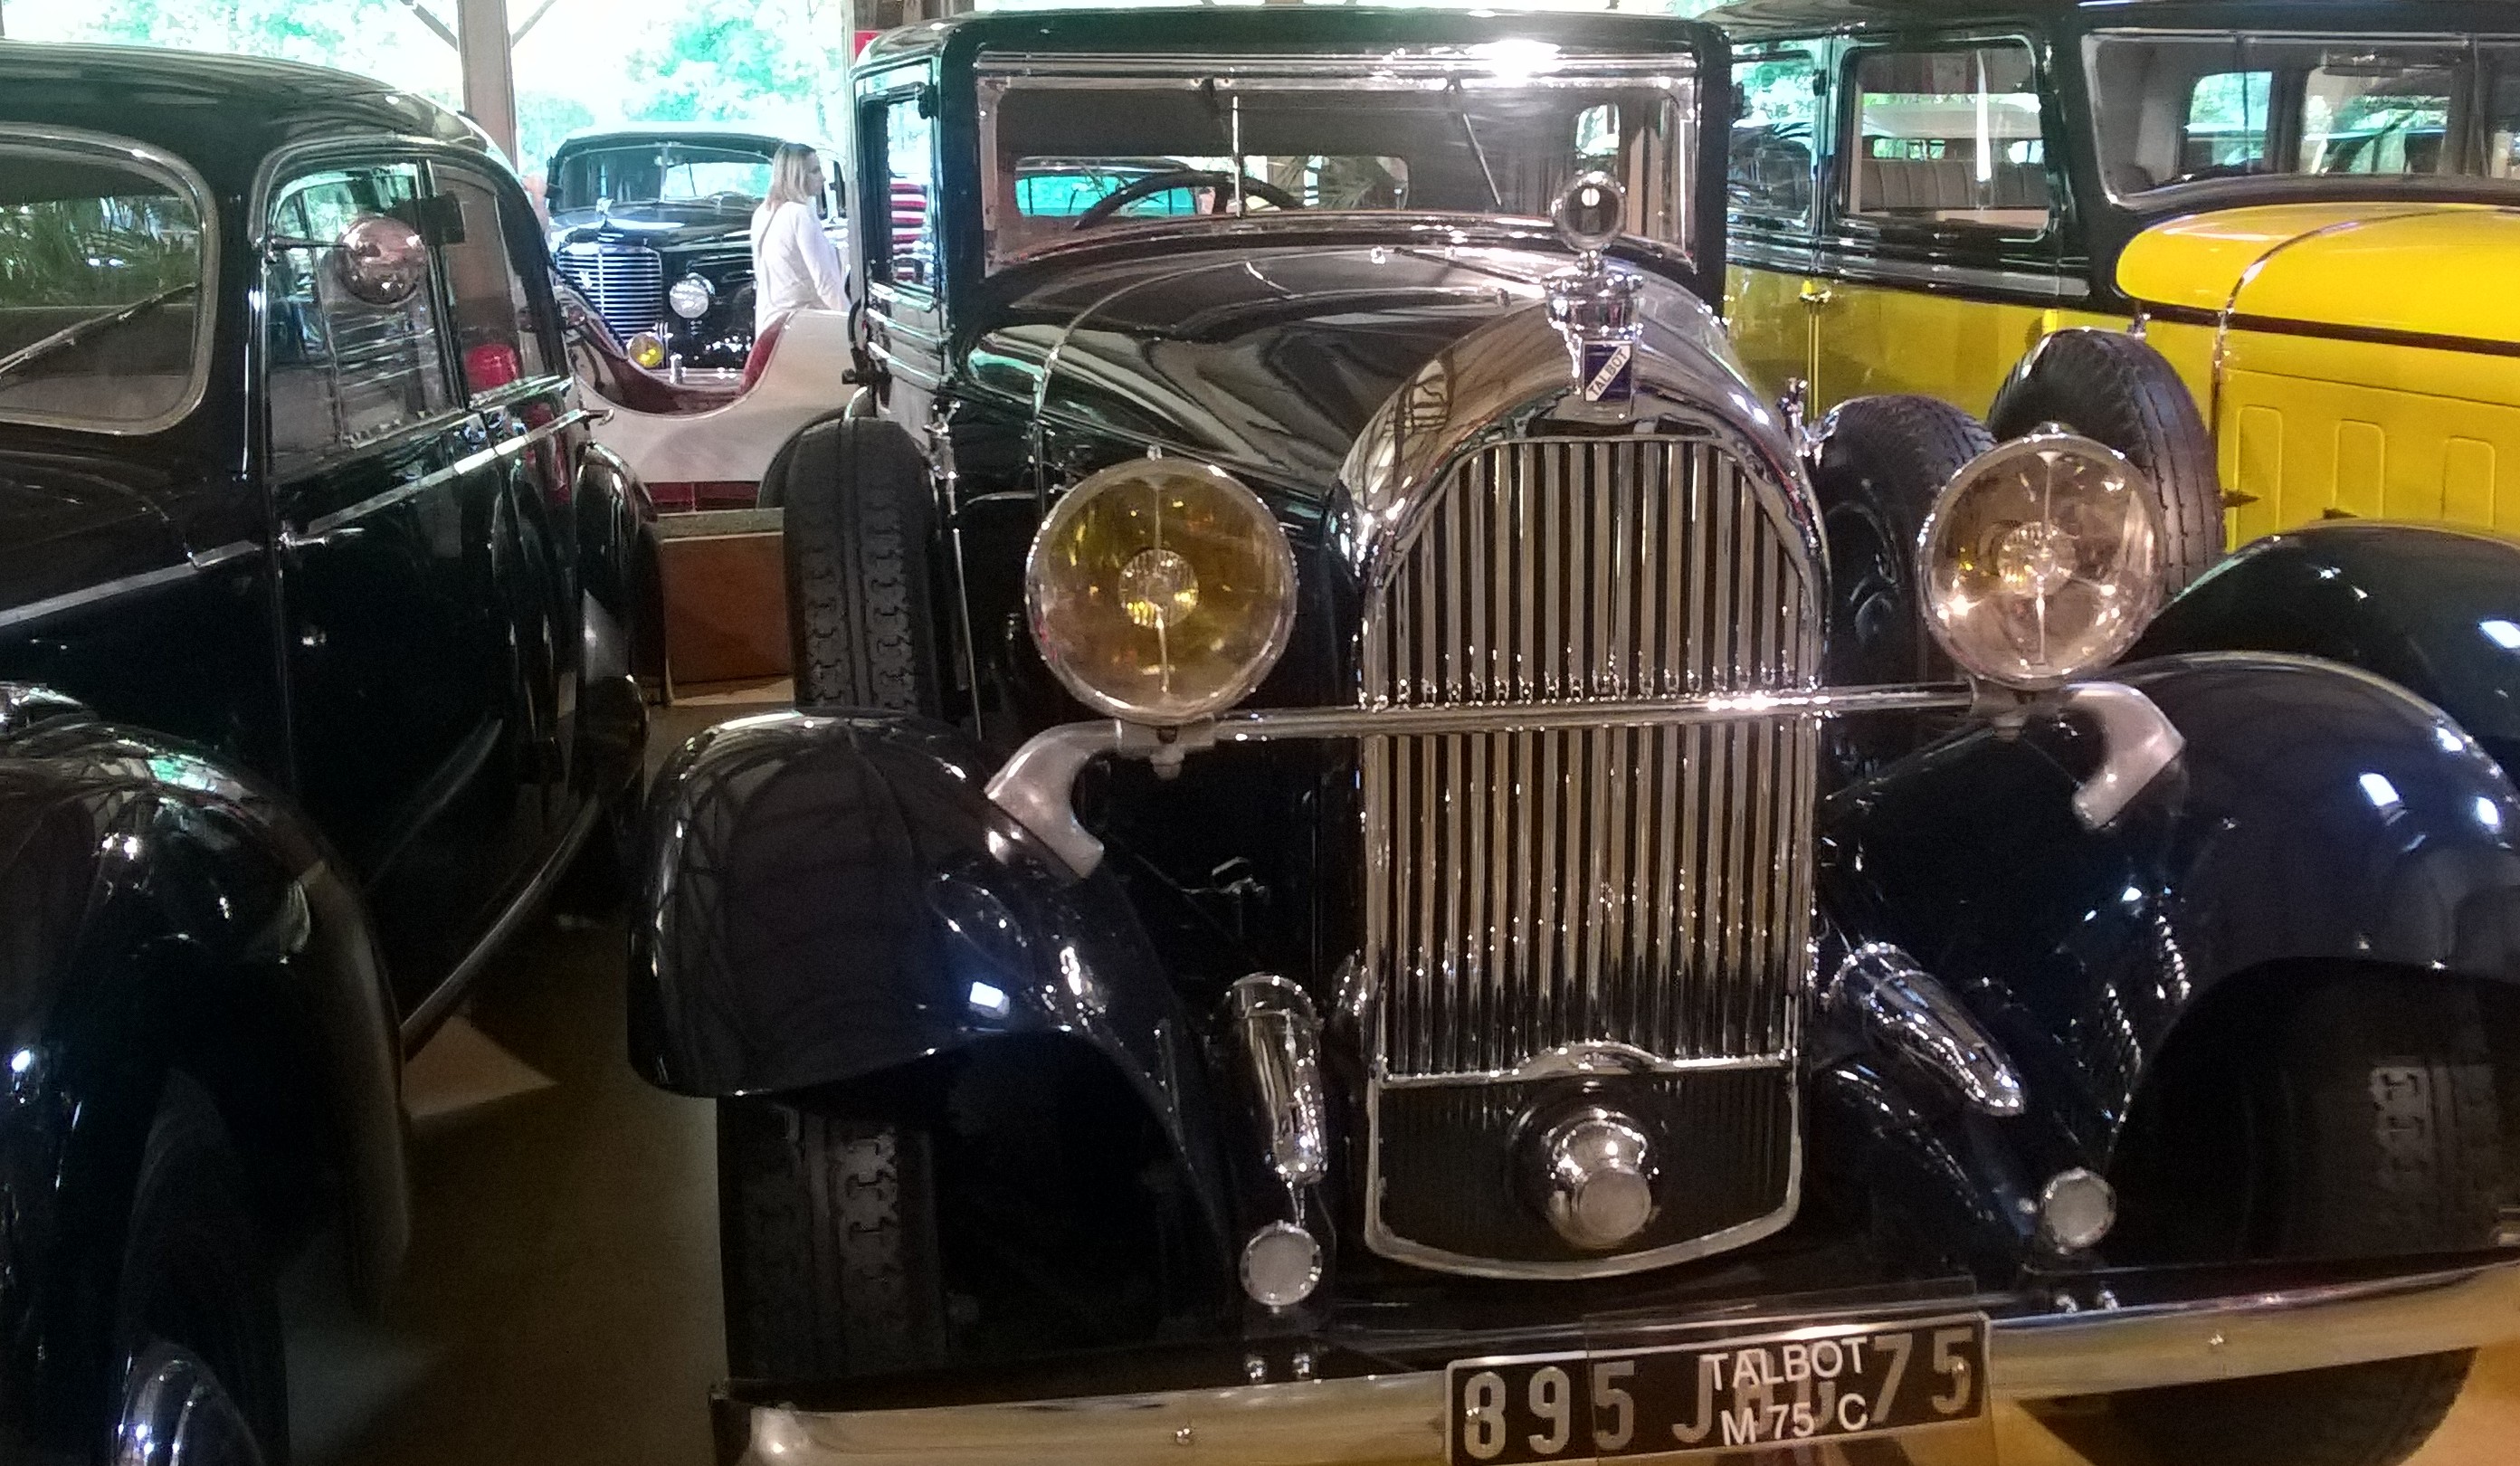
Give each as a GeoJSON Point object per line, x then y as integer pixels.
{"type": "Point", "coordinates": [103, 252]}
{"type": "Point", "coordinates": [733, 177]}
{"type": "Point", "coordinates": [2174, 108]}
{"type": "Point", "coordinates": [1077, 145]}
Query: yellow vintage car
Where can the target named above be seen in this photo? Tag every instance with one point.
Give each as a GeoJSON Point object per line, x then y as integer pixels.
{"type": "Point", "coordinates": [2310, 209]}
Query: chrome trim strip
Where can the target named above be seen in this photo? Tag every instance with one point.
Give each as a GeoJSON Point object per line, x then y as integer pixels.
{"type": "Point", "coordinates": [1838, 263]}
{"type": "Point", "coordinates": [2247, 277]}
{"type": "Point", "coordinates": [1034, 784]}
{"type": "Point", "coordinates": [208, 294]}
{"type": "Point", "coordinates": [472, 462]}
{"type": "Point", "coordinates": [1397, 1418]}
{"type": "Point", "coordinates": [105, 590]}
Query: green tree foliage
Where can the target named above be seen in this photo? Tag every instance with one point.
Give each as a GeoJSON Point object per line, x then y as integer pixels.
{"type": "Point", "coordinates": [735, 60]}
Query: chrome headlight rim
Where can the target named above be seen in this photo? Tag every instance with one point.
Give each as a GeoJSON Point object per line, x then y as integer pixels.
{"type": "Point", "coordinates": [695, 290]}
{"type": "Point", "coordinates": [2047, 438]}
{"type": "Point", "coordinates": [1277, 636]}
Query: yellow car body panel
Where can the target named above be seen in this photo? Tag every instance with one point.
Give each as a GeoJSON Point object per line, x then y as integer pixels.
{"type": "Point", "coordinates": [2350, 359]}
{"type": "Point", "coordinates": [2370, 361]}
{"type": "Point", "coordinates": [2418, 269]}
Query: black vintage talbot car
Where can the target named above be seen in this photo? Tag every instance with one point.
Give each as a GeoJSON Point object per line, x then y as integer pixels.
{"type": "Point", "coordinates": [314, 631]}
{"type": "Point", "coordinates": [653, 226]}
{"type": "Point", "coordinates": [1380, 860]}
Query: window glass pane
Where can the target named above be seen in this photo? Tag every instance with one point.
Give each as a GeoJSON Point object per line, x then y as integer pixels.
{"type": "Point", "coordinates": [904, 245]}
{"type": "Point", "coordinates": [101, 316]}
{"type": "Point", "coordinates": [2226, 120]}
{"type": "Point", "coordinates": [1949, 137]}
{"type": "Point", "coordinates": [2266, 103]}
{"type": "Point", "coordinates": [1423, 132]}
{"type": "Point", "coordinates": [1776, 110]}
{"type": "Point", "coordinates": [495, 338]}
{"type": "Point", "coordinates": [650, 172]}
{"type": "Point", "coordinates": [342, 371]}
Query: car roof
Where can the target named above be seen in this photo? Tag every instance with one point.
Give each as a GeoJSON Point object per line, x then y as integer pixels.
{"type": "Point", "coordinates": [221, 114]}
{"type": "Point", "coordinates": [696, 132]}
{"type": "Point", "coordinates": [1218, 30]}
{"type": "Point", "coordinates": [1750, 19]}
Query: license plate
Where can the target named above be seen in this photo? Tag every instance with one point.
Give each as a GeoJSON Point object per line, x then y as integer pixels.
{"type": "Point", "coordinates": [1772, 1390]}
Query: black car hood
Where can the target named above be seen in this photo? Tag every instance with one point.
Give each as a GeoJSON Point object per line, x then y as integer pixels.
{"type": "Point", "coordinates": [68, 526]}
{"type": "Point", "coordinates": [1269, 361]}
{"type": "Point", "coordinates": [666, 226]}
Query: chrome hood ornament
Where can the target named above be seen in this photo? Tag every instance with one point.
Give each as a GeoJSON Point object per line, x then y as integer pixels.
{"type": "Point", "coordinates": [1593, 304]}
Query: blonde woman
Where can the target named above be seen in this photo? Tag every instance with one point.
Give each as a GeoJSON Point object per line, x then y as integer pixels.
{"type": "Point", "coordinates": [794, 265]}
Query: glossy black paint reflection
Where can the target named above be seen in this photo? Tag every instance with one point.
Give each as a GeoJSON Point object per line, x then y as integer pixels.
{"type": "Point", "coordinates": [254, 853]}
{"type": "Point", "coordinates": [163, 913]}
{"type": "Point", "coordinates": [2435, 611]}
{"type": "Point", "coordinates": [829, 898]}
{"type": "Point", "coordinates": [2319, 817]}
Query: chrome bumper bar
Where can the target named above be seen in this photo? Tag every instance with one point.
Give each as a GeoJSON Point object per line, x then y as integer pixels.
{"type": "Point", "coordinates": [1037, 783]}
{"type": "Point", "coordinates": [1397, 1418]}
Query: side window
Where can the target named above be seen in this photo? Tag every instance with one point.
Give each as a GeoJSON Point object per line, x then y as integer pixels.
{"type": "Point", "coordinates": [1948, 137]}
{"type": "Point", "coordinates": [1775, 114]}
{"type": "Point", "coordinates": [343, 370]}
{"type": "Point", "coordinates": [902, 144]}
{"type": "Point", "coordinates": [2226, 123]}
{"type": "Point", "coordinates": [496, 338]}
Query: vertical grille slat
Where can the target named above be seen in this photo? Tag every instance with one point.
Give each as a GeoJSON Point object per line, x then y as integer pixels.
{"type": "Point", "coordinates": [1646, 887]}
{"type": "Point", "coordinates": [626, 284]}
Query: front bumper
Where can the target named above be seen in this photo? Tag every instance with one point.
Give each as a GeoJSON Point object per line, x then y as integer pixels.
{"type": "Point", "coordinates": [1397, 1416]}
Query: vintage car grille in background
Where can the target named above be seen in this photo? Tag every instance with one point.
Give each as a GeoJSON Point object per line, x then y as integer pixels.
{"type": "Point", "coordinates": [626, 284]}
{"type": "Point", "coordinates": [1650, 887]}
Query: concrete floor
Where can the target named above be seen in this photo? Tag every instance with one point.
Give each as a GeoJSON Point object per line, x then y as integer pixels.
{"type": "Point", "coordinates": [562, 1305]}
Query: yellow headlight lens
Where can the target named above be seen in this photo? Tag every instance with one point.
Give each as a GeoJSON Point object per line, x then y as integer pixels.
{"type": "Point", "coordinates": [2041, 561]}
{"type": "Point", "coordinates": [647, 349]}
{"type": "Point", "coordinates": [1161, 591]}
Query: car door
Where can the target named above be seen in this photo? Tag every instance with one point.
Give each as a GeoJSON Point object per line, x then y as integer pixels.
{"type": "Point", "coordinates": [1942, 246]}
{"type": "Point", "coordinates": [403, 746]}
{"type": "Point", "coordinates": [1772, 192]}
{"type": "Point", "coordinates": [515, 375]}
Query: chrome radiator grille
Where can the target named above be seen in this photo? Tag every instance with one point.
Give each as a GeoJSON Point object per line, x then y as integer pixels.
{"type": "Point", "coordinates": [1645, 886]}
{"type": "Point", "coordinates": [626, 284]}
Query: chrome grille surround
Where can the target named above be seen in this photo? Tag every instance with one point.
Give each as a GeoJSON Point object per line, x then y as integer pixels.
{"type": "Point", "coordinates": [624, 282]}
{"type": "Point", "coordinates": [1645, 891]}
{"type": "Point", "coordinates": [1519, 546]}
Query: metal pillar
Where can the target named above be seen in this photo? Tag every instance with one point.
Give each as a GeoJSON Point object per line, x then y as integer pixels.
{"type": "Point", "coordinates": [490, 70]}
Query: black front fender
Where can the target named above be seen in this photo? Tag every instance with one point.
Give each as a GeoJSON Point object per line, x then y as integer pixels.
{"type": "Point", "coordinates": [827, 898]}
{"type": "Point", "coordinates": [2319, 815]}
{"type": "Point", "coordinates": [160, 913]}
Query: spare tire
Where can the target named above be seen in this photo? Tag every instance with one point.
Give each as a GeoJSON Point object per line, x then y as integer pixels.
{"type": "Point", "coordinates": [2113, 389]}
{"type": "Point", "coordinates": [861, 628]}
{"type": "Point", "coordinates": [1879, 465]}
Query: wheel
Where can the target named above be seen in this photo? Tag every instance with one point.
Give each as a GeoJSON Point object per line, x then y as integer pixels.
{"type": "Point", "coordinates": [1881, 462]}
{"type": "Point", "coordinates": [2114, 388]}
{"type": "Point", "coordinates": [2383, 1137]}
{"type": "Point", "coordinates": [828, 1243]}
{"type": "Point", "coordinates": [773, 494]}
{"type": "Point", "coordinates": [196, 1318]}
{"type": "Point", "coordinates": [860, 624]}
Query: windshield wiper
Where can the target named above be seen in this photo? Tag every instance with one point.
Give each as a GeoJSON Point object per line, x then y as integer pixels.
{"type": "Point", "coordinates": [1462, 113]}
{"type": "Point", "coordinates": [78, 331]}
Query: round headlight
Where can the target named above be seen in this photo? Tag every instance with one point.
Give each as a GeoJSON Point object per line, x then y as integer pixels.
{"type": "Point", "coordinates": [2040, 561]}
{"type": "Point", "coordinates": [690, 297]}
{"type": "Point", "coordinates": [646, 348]}
{"type": "Point", "coordinates": [1160, 591]}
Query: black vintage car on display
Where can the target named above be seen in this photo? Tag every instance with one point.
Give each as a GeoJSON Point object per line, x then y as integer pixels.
{"type": "Point", "coordinates": [1380, 860]}
{"type": "Point", "coordinates": [314, 631]}
{"type": "Point", "coordinates": [653, 224]}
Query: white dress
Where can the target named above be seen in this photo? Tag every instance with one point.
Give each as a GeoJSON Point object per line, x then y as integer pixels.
{"type": "Point", "coordinates": [795, 264]}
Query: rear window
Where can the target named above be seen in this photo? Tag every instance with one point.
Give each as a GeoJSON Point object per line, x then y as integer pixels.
{"type": "Point", "coordinates": [104, 315]}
